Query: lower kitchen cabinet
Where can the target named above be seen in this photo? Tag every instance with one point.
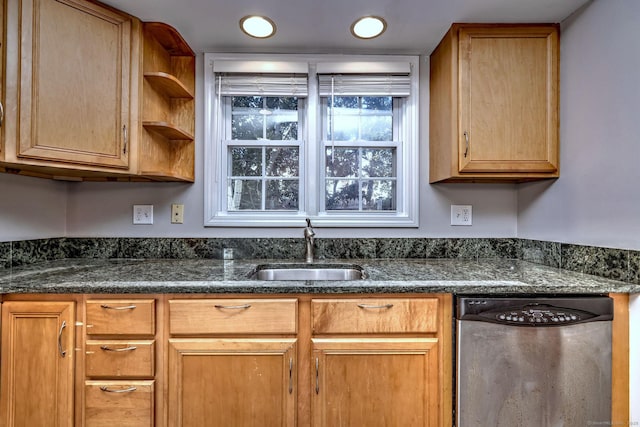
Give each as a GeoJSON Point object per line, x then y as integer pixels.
{"type": "Point", "coordinates": [232, 382]}
{"type": "Point", "coordinates": [375, 382]}
{"type": "Point", "coordinates": [119, 403]}
{"type": "Point", "coordinates": [37, 369]}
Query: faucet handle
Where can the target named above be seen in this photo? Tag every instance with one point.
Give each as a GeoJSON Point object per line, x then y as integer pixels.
{"type": "Point", "coordinates": [308, 222]}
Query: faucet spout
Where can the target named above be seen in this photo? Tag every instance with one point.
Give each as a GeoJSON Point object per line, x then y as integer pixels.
{"type": "Point", "coordinates": [309, 237]}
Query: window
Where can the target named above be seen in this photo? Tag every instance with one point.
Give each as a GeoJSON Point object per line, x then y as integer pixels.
{"type": "Point", "coordinates": [291, 136]}
{"type": "Point", "coordinates": [262, 153]}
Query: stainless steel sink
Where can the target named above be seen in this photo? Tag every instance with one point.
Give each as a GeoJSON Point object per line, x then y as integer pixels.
{"type": "Point", "coordinates": [303, 271]}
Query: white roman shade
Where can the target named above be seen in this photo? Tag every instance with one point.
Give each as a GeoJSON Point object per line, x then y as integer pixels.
{"type": "Point", "coordinates": [262, 78]}
{"type": "Point", "coordinates": [364, 79]}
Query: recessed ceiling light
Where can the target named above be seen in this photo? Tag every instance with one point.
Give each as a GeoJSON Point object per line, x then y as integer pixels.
{"type": "Point", "coordinates": [368, 27]}
{"type": "Point", "coordinates": [256, 26]}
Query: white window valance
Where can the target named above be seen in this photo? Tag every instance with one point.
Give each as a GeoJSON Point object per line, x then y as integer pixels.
{"type": "Point", "coordinates": [364, 79]}
{"type": "Point", "coordinates": [265, 78]}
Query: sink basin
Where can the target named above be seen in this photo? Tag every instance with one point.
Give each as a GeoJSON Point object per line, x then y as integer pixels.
{"type": "Point", "coordinates": [303, 271]}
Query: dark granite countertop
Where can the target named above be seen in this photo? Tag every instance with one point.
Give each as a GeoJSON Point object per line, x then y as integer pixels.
{"type": "Point", "coordinates": [149, 276]}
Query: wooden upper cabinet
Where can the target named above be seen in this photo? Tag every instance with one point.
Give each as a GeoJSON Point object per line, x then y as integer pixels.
{"type": "Point", "coordinates": [74, 83]}
{"type": "Point", "coordinates": [494, 93]}
{"type": "Point", "coordinates": [93, 93]}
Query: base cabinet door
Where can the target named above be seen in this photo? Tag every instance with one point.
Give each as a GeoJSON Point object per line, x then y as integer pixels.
{"type": "Point", "coordinates": [232, 382]}
{"type": "Point", "coordinates": [375, 382]}
{"type": "Point", "coordinates": [36, 387]}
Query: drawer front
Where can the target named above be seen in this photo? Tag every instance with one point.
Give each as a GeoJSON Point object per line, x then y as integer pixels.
{"type": "Point", "coordinates": [374, 315]}
{"type": "Point", "coordinates": [121, 317]}
{"type": "Point", "coordinates": [130, 359]}
{"type": "Point", "coordinates": [233, 316]}
{"type": "Point", "coordinates": [119, 403]}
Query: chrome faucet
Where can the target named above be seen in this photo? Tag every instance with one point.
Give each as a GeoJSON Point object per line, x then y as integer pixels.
{"type": "Point", "coordinates": [309, 238]}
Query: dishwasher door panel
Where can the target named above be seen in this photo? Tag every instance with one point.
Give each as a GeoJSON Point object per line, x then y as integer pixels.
{"type": "Point", "coordinates": [510, 376]}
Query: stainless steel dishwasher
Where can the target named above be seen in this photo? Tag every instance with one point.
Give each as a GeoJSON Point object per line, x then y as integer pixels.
{"type": "Point", "coordinates": [533, 362]}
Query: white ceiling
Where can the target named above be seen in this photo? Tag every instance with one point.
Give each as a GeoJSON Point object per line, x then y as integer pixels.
{"type": "Point", "coordinates": [322, 26]}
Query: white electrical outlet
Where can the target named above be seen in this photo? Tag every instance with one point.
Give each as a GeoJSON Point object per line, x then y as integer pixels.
{"type": "Point", "coordinates": [143, 214]}
{"type": "Point", "coordinates": [461, 215]}
{"type": "Point", "coordinates": [177, 214]}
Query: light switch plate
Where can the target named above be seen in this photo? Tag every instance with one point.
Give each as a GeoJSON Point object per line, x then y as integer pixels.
{"type": "Point", "coordinates": [461, 215]}
{"type": "Point", "coordinates": [143, 214]}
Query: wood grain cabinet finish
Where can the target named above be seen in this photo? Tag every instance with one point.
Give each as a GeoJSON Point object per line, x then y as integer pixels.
{"type": "Point", "coordinates": [119, 363]}
{"type": "Point", "coordinates": [37, 366]}
{"type": "Point", "coordinates": [93, 93]}
{"type": "Point", "coordinates": [244, 382]}
{"type": "Point", "coordinates": [120, 317]}
{"type": "Point", "coordinates": [120, 358]}
{"type": "Point", "coordinates": [494, 102]}
{"type": "Point", "coordinates": [73, 83]}
{"type": "Point", "coordinates": [119, 403]}
{"type": "Point", "coordinates": [233, 316]}
{"type": "Point", "coordinates": [376, 382]}
{"type": "Point", "coordinates": [374, 315]}
{"type": "Point", "coordinates": [380, 361]}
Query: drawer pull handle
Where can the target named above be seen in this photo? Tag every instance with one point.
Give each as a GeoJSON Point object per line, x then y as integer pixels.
{"type": "Point", "coordinates": [110, 307]}
{"type": "Point", "coordinates": [62, 352]}
{"type": "Point", "coordinates": [290, 375]}
{"type": "Point", "coordinates": [317, 376]}
{"type": "Point", "coordinates": [107, 348]}
{"type": "Point", "coordinates": [233, 307]}
{"type": "Point", "coordinates": [124, 390]}
{"type": "Point", "coordinates": [366, 306]}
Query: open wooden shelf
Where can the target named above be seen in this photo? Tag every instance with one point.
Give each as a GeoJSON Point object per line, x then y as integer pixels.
{"type": "Point", "coordinates": [168, 84]}
{"type": "Point", "coordinates": [167, 130]}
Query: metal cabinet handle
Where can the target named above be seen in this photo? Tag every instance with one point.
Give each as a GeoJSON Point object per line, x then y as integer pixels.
{"type": "Point", "coordinates": [125, 135]}
{"type": "Point", "coordinates": [290, 375]}
{"type": "Point", "coordinates": [124, 390]}
{"type": "Point", "coordinates": [365, 306]}
{"type": "Point", "coordinates": [233, 307]}
{"type": "Point", "coordinates": [110, 307]}
{"type": "Point", "coordinates": [466, 138]}
{"type": "Point", "coordinates": [317, 376]}
{"type": "Point", "coordinates": [107, 348]}
{"type": "Point", "coordinates": [1, 113]}
{"type": "Point", "coordinates": [62, 352]}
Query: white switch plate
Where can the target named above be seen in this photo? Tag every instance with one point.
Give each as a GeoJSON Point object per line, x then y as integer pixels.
{"type": "Point", "coordinates": [461, 215]}
{"type": "Point", "coordinates": [143, 214]}
{"type": "Point", "coordinates": [177, 213]}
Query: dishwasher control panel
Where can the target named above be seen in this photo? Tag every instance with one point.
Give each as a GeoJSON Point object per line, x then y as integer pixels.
{"type": "Point", "coordinates": [535, 311]}
{"type": "Point", "coordinates": [539, 314]}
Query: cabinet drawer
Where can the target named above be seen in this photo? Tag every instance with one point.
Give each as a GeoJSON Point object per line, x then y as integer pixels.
{"type": "Point", "coordinates": [133, 359]}
{"type": "Point", "coordinates": [119, 403]}
{"type": "Point", "coordinates": [237, 316]}
{"type": "Point", "coordinates": [374, 315]}
{"type": "Point", "coordinates": [121, 317]}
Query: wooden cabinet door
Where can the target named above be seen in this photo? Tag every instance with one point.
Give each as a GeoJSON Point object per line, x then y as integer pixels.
{"type": "Point", "coordinates": [37, 364]}
{"type": "Point", "coordinates": [73, 83]}
{"type": "Point", "coordinates": [508, 98]}
{"type": "Point", "coordinates": [375, 382]}
{"type": "Point", "coordinates": [232, 382]}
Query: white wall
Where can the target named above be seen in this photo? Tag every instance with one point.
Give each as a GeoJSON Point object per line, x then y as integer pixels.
{"type": "Point", "coordinates": [596, 201]}
{"type": "Point", "coordinates": [31, 208]}
{"type": "Point", "coordinates": [104, 209]}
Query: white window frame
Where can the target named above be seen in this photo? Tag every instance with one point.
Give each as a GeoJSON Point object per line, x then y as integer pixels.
{"type": "Point", "coordinates": [311, 154]}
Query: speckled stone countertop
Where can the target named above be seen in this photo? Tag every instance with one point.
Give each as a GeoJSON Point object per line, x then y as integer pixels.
{"type": "Point", "coordinates": [150, 276]}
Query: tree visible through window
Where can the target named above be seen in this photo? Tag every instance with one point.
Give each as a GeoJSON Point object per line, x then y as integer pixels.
{"type": "Point", "coordinates": [263, 172]}
{"type": "Point", "coordinates": [360, 154]}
